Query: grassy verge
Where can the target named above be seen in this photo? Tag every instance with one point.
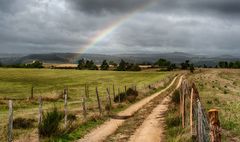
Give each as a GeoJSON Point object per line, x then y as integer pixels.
{"type": "Point", "coordinates": [219, 88]}
{"type": "Point", "coordinates": [16, 84]}
{"type": "Point", "coordinates": [174, 131]}
{"type": "Point", "coordinates": [87, 126]}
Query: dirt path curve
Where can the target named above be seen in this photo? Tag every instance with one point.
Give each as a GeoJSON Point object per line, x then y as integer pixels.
{"type": "Point", "coordinates": [152, 128]}
{"type": "Point", "coordinates": [99, 134]}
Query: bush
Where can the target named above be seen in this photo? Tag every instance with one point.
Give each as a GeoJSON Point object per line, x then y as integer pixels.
{"type": "Point", "coordinates": [120, 96]}
{"type": "Point", "coordinates": [176, 97]}
{"type": "Point", "coordinates": [23, 123]}
{"type": "Point", "coordinates": [95, 118]}
{"type": "Point", "coordinates": [130, 95]}
{"type": "Point", "coordinates": [173, 121]}
{"type": "Point", "coordinates": [51, 123]}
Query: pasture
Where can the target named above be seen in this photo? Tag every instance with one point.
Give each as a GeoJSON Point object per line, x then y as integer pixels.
{"type": "Point", "coordinates": [219, 88]}
{"type": "Point", "coordinates": [16, 84]}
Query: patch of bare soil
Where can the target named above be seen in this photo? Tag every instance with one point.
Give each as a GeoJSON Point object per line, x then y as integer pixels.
{"type": "Point", "coordinates": [125, 131]}
{"type": "Point", "coordinates": [109, 127]}
{"type": "Point", "coordinates": [147, 124]}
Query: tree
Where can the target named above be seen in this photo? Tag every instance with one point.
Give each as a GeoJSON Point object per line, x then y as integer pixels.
{"type": "Point", "coordinates": [104, 65]}
{"type": "Point", "coordinates": [81, 64]}
{"type": "Point", "coordinates": [113, 63]}
{"type": "Point", "coordinates": [122, 66]}
{"type": "Point", "coordinates": [35, 64]}
{"type": "Point", "coordinates": [223, 64]}
{"type": "Point", "coordinates": [191, 68]}
{"type": "Point", "coordinates": [133, 67]}
{"type": "Point", "coordinates": [90, 65]}
{"type": "Point", "coordinates": [1, 64]}
{"type": "Point", "coordinates": [185, 65]}
{"type": "Point", "coordinates": [171, 67]}
{"type": "Point", "coordinates": [163, 63]}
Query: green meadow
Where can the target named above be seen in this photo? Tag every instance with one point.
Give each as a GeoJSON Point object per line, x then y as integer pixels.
{"type": "Point", "coordinates": [16, 84]}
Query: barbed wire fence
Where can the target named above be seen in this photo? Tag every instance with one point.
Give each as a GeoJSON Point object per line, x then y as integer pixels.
{"type": "Point", "coordinates": [87, 105]}
{"type": "Point", "coordinates": [202, 128]}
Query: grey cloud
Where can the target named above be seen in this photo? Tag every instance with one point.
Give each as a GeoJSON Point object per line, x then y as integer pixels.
{"type": "Point", "coordinates": [213, 7]}
{"type": "Point", "coordinates": [99, 6]}
{"type": "Point", "coordinates": [195, 26]}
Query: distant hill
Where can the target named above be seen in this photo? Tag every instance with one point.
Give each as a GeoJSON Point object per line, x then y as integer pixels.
{"type": "Point", "coordinates": [63, 58]}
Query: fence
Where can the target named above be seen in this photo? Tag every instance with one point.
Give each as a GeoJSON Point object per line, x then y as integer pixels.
{"type": "Point", "coordinates": [202, 128]}
{"type": "Point", "coordinates": [101, 98]}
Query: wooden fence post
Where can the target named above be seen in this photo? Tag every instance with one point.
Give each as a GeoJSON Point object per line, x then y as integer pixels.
{"type": "Point", "coordinates": [199, 126]}
{"type": "Point", "coordinates": [125, 88]}
{"type": "Point", "coordinates": [191, 112]}
{"type": "Point", "coordinates": [119, 96]}
{"type": "Point", "coordinates": [109, 100]}
{"type": "Point", "coordinates": [98, 100]}
{"type": "Point", "coordinates": [86, 91]}
{"type": "Point", "coordinates": [183, 110]}
{"type": "Point", "coordinates": [84, 108]}
{"type": "Point", "coordinates": [31, 92]}
{"type": "Point", "coordinates": [114, 91]}
{"type": "Point", "coordinates": [65, 110]}
{"type": "Point", "coordinates": [183, 105]}
{"type": "Point", "coordinates": [10, 121]}
{"type": "Point", "coordinates": [215, 129]}
{"type": "Point", "coordinates": [65, 91]}
{"type": "Point", "coordinates": [40, 112]}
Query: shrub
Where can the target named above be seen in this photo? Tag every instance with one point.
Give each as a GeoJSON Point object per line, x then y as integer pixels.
{"type": "Point", "coordinates": [120, 96]}
{"type": "Point", "coordinates": [130, 95]}
{"type": "Point", "coordinates": [173, 121]}
{"type": "Point", "coordinates": [71, 117]}
{"type": "Point", "coordinates": [23, 123]}
{"type": "Point", "coordinates": [95, 118]}
{"type": "Point", "coordinates": [51, 123]}
{"type": "Point", "coordinates": [176, 97]}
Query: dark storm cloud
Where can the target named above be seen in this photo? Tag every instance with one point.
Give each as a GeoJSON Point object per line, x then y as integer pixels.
{"type": "Point", "coordinates": [195, 26]}
{"type": "Point", "coordinates": [227, 7]}
{"type": "Point", "coordinates": [98, 6]}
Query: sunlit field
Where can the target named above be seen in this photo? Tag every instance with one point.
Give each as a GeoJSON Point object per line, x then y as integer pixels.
{"type": "Point", "coordinates": [219, 88]}
{"type": "Point", "coordinates": [16, 84]}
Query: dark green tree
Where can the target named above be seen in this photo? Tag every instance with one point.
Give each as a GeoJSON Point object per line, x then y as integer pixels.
{"type": "Point", "coordinates": [113, 63]}
{"type": "Point", "coordinates": [191, 68]}
{"type": "Point", "coordinates": [163, 63]}
{"type": "Point", "coordinates": [104, 65]}
{"type": "Point", "coordinates": [91, 65]}
{"type": "Point", "coordinates": [171, 67]}
{"type": "Point", "coordinates": [185, 65]}
{"type": "Point", "coordinates": [81, 64]}
{"type": "Point", "coordinates": [122, 66]}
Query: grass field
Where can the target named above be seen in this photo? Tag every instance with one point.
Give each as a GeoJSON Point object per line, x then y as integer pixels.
{"type": "Point", "coordinates": [16, 84]}
{"type": "Point", "coordinates": [219, 88]}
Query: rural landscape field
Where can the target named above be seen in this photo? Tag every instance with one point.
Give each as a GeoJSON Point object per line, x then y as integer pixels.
{"type": "Point", "coordinates": [119, 71]}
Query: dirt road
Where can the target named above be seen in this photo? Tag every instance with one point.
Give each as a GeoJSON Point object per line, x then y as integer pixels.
{"type": "Point", "coordinates": [152, 128]}
{"type": "Point", "coordinates": [102, 132]}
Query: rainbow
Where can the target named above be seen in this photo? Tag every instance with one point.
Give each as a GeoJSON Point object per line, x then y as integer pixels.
{"type": "Point", "coordinates": [99, 36]}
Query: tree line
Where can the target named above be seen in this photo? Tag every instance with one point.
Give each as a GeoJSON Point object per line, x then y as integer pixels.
{"type": "Point", "coordinates": [166, 65]}
{"type": "Point", "coordinates": [225, 64]}
{"type": "Point", "coordinates": [122, 66]}
{"type": "Point", "coordinates": [34, 64]}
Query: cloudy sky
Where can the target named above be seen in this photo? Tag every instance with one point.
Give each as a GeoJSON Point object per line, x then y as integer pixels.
{"type": "Point", "coordinates": [136, 26]}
